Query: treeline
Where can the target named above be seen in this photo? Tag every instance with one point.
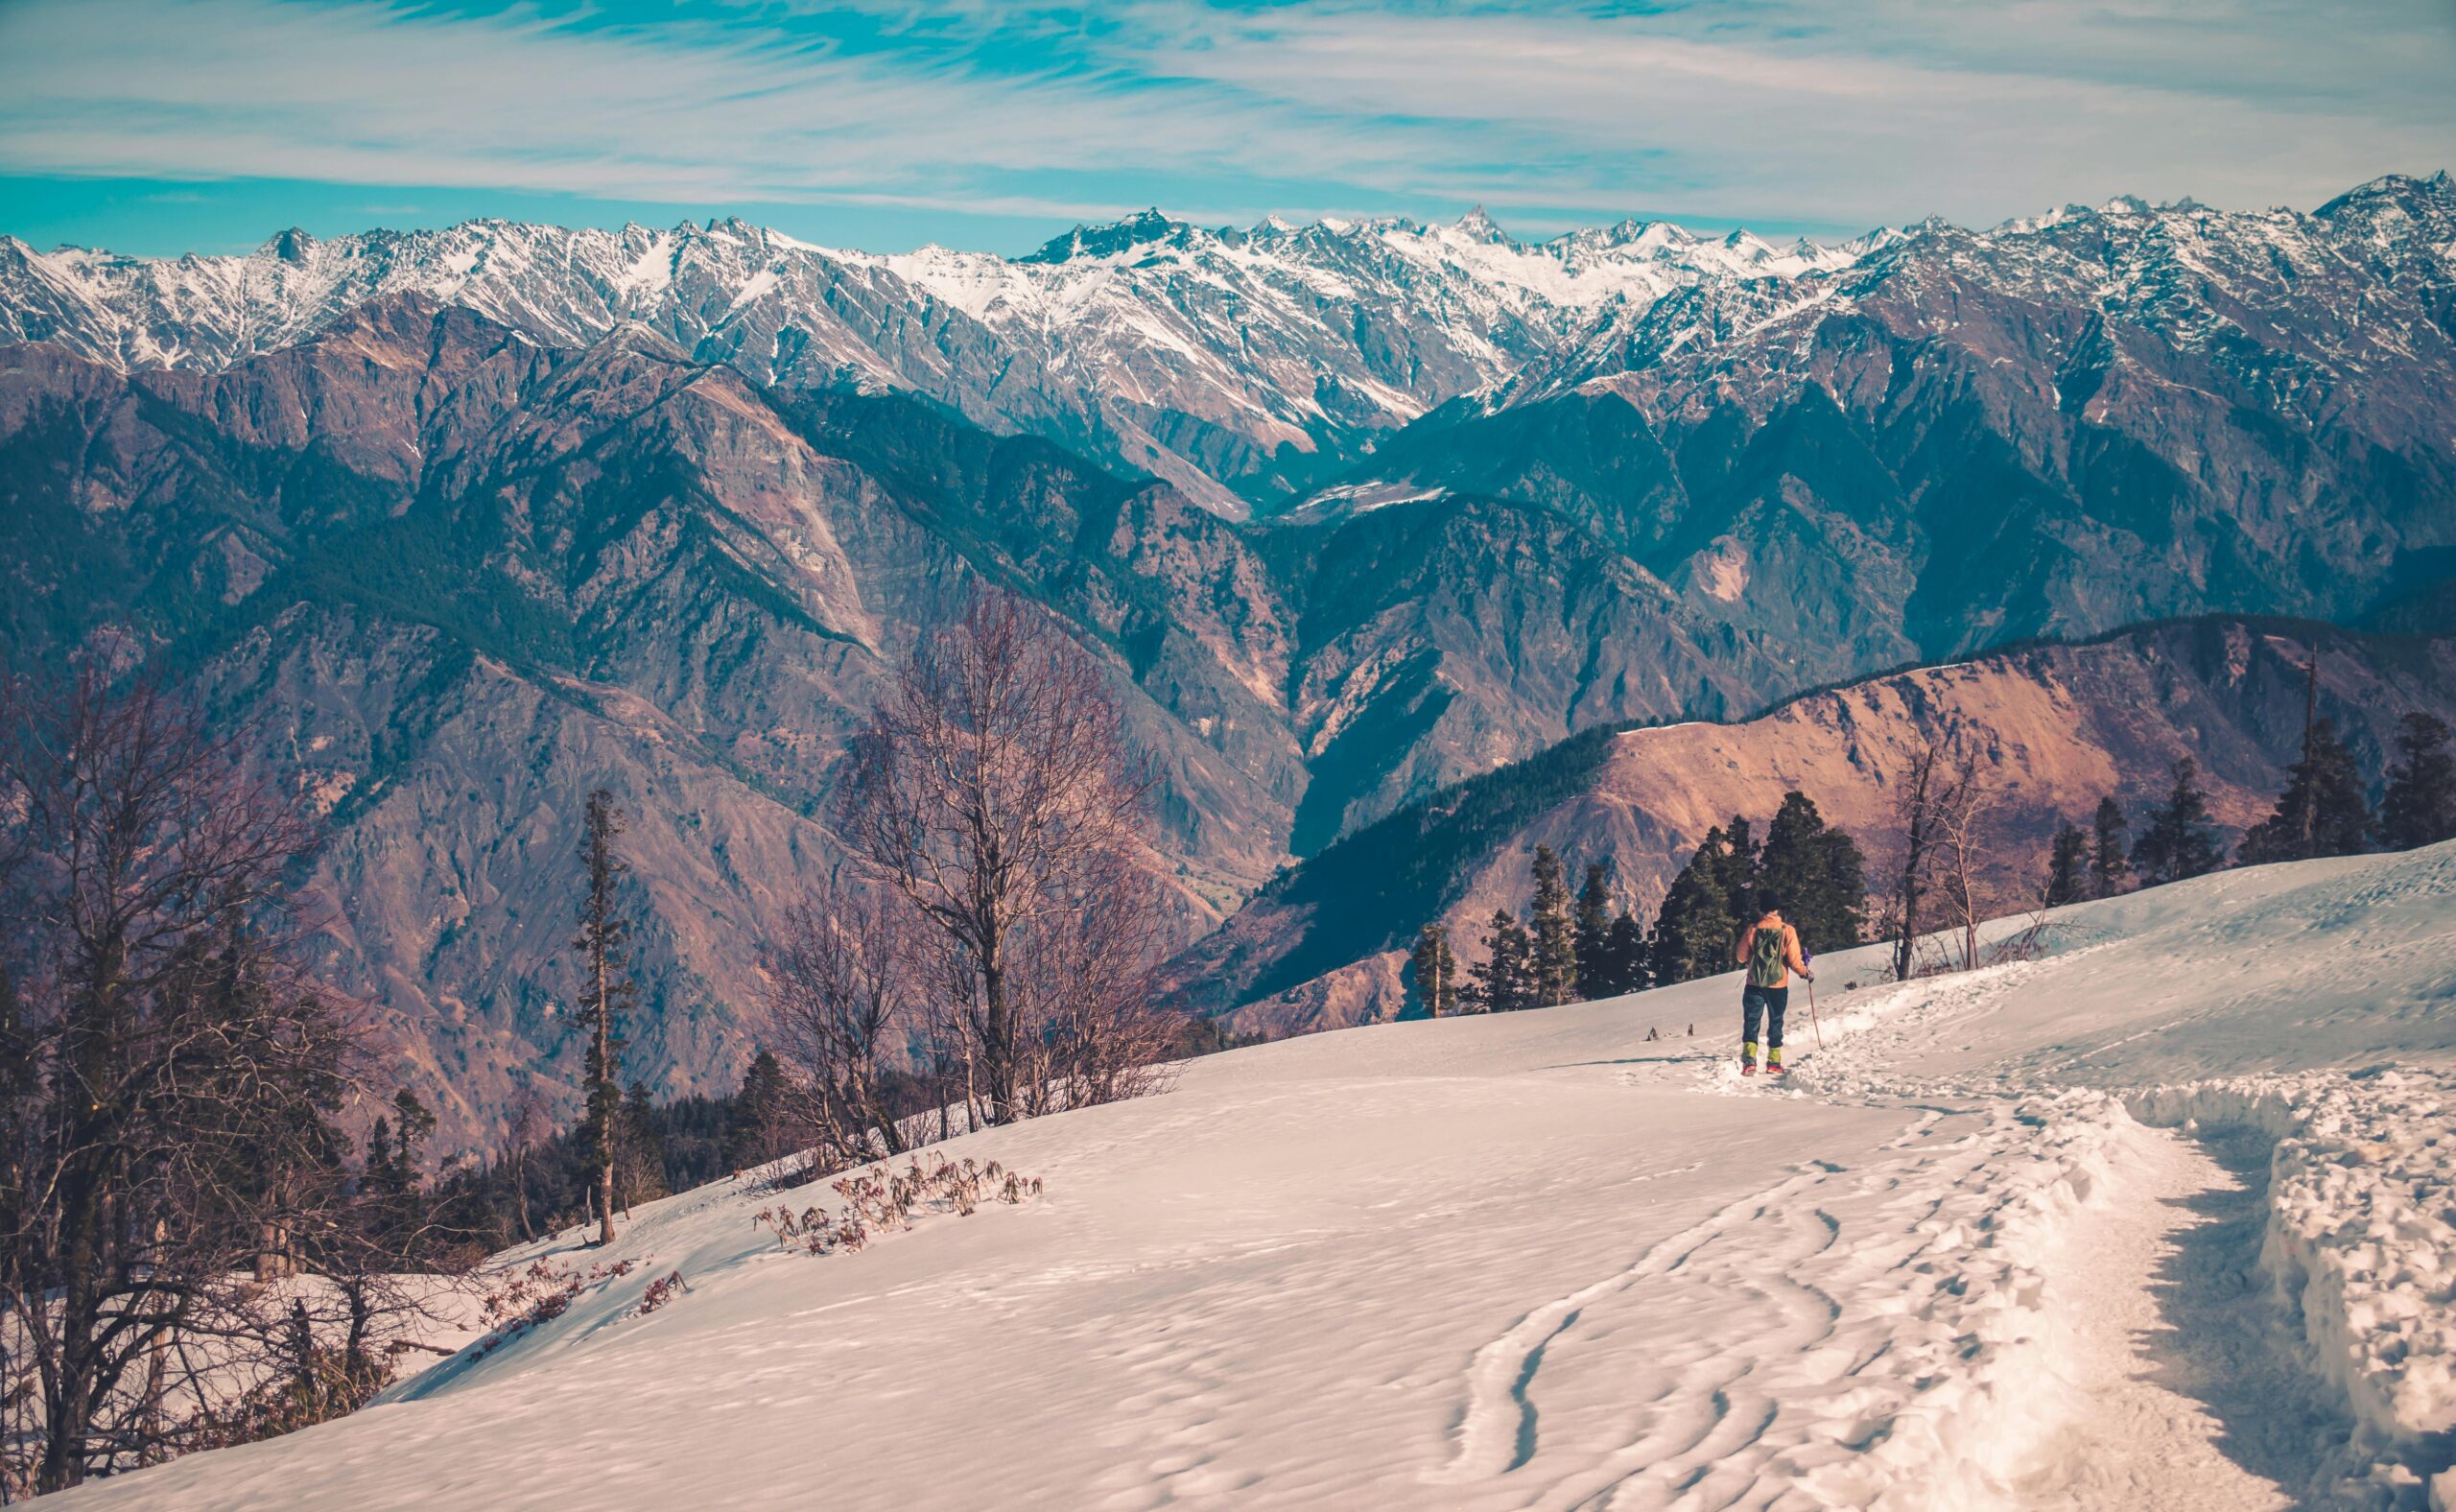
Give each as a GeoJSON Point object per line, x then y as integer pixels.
{"type": "Point", "coordinates": [1577, 949]}
{"type": "Point", "coordinates": [2323, 811]}
{"type": "Point", "coordinates": [195, 1250]}
{"type": "Point", "coordinates": [1933, 889]}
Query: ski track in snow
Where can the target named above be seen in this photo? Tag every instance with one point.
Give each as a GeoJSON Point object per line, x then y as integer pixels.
{"type": "Point", "coordinates": [2163, 1218]}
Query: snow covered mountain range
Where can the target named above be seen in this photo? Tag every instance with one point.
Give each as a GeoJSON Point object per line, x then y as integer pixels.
{"type": "Point", "coordinates": [1236, 364]}
{"type": "Point", "coordinates": [1218, 360]}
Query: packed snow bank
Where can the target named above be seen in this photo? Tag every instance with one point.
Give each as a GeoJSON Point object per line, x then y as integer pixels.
{"type": "Point", "coordinates": [1561, 1259]}
{"type": "Point", "coordinates": [2360, 1243]}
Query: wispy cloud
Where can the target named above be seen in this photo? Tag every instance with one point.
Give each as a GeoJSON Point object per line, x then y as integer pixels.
{"type": "Point", "coordinates": [1770, 109]}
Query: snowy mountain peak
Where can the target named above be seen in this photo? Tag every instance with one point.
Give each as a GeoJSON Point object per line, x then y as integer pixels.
{"type": "Point", "coordinates": [1147, 228]}
{"type": "Point", "coordinates": [2400, 190]}
{"type": "Point", "coordinates": [1476, 225]}
{"type": "Point", "coordinates": [293, 246]}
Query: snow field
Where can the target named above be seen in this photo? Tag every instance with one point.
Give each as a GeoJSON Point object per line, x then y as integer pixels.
{"type": "Point", "coordinates": [1970, 1256]}
{"type": "Point", "coordinates": [1879, 1335]}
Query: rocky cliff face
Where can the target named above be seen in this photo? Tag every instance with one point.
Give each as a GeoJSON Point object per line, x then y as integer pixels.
{"type": "Point", "coordinates": [2056, 728]}
{"type": "Point", "coordinates": [453, 579]}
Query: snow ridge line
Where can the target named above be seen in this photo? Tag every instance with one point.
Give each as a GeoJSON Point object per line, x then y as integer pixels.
{"type": "Point", "coordinates": [2360, 1245]}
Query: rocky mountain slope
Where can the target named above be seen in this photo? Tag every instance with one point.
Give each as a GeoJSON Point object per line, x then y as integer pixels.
{"type": "Point", "coordinates": [1950, 443]}
{"type": "Point", "coordinates": [2057, 727]}
{"type": "Point", "coordinates": [454, 580]}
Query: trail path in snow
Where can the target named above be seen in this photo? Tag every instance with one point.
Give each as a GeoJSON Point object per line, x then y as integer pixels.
{"type": "Point", "coordinates": [1546, 1260]}
{"type": "Point", "coordinates": [2145, 1368]}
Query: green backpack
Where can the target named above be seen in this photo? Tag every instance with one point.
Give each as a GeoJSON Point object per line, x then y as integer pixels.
{"type": "Point", "coordinates": [1765, 956]}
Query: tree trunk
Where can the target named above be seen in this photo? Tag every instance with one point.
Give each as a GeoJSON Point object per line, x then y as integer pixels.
{"type": "Point", "coordinates": [606, 1132]}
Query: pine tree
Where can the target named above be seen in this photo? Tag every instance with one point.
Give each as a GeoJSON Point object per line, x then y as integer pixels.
{"type": "Point", "coordinates": [2323, 810]}
{"type": "Point", "coordinates": [2068, 866]}
{"type": "Point", "coordinates": [606, 991]}
{"type": "Point", "coordinates": [1818, 872]}
{"type": "Point", "coordinates": [378, 1175]}
{"type": "Point", "coordinates": [2420, 808]}
{"type": "Point", "coordinates": [1594, 974]}
{"type": "Point", "coordinates": [1625, 956]}
{"type": "Point", "coordinates": [1432, 970]}
{"type": "Point", "coordinates": [1553, 963]}
{"type": "Point", "coordinates": [1736, 871]}
{"type": "Point", "coordinates": [1502, 983]}
{"type": "Point", "coordinates": [394, 1212]}
{"type": "Point", "coordinates": [2177, 844]}
{"type": "Point", "coordinates": [754, 1130]}
{"type": "Point", "coordinates": [1694, 931]}
{"type": "Point", "coordinates": [2110, 842]}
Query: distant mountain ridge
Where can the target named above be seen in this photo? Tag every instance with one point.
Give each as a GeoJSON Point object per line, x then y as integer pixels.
{"type": "Point", "coordinates": [1220, 360]}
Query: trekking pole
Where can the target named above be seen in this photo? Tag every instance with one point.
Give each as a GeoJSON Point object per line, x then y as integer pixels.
{"type": "Point", "coordinates": [1814, 1022]}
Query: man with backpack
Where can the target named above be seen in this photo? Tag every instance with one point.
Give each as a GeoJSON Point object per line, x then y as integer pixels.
{"type": "Point", "coordinates": [1770, 950]}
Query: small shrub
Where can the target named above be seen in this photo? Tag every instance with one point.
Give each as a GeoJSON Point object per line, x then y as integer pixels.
{"type": "Point", "coordinates": [881, 1199]}
{"type": "Point", "coordinates": [661, 1291]}
{"type": "Point", "coordinates": [539, 1294]}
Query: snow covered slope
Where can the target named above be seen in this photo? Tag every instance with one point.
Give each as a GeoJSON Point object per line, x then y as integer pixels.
{"type": "Point", "coordinates": [2160, 1220]}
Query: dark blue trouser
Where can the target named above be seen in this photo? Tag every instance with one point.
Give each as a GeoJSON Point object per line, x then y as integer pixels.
{"type": "Point", "coordinates": [1769, 1002]}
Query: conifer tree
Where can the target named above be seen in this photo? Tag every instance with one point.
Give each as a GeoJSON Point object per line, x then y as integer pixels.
{"type": "Point", "coordinates": [2068, 866]}
{"type": "Point", "coordinates": [1502, 984]}
{"type": "Point", "coordinates": [1595, 978]}
{"type": "Point", "coordinates": [1694, 930]}
{"type": "Point", "coordinates": [1554, 962]}
{"type": "Point", "coordinates": [2110, 842]}
{"type": "Point", "coordinates": [2177, 843]}
{"type": "Point", "coordinates": [1735, 870]}
{"type": "Point", "coordinates": [1625, 956]}
{"type": "Point", "coordinates": [1433, 972]}
{"type": "Point", "coordinates": [2420, 808]}
{"type": "Point", "coordinates": [1818, 871]}
{"type": "Point", "coordinates": [2323, 810]}
{"type": "Point", "coordinates": [754, 1131]}
{"type": "Point", "coordinates": [391, 1178]}
{"type": "Point", "coordinates": [606, 992]}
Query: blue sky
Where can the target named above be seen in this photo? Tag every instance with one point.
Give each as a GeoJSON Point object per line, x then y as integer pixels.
{"type": "Point", "coordinates": [162, 126]}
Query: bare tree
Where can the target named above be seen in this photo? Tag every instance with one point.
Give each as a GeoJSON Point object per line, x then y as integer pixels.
{"type": "Point", "coordinates": [1089, 985]}
{"type": "Point", "coordinates": [528, 1127]}
{"type": "Point", "coordinates": [603, 946]}
{"type": "Point", "coordinates": [1933, 843]}
{"type": "Point", "coordinates": [843, 987]}
{"type": "Point", "coordinates": [993, 790]}
{"type": "Point", "coordinates": [1959, 853]}
{"type": "Point", "coordinates": [169, 1073]}
{"type": "Point", "coordinates": [1913, 838]}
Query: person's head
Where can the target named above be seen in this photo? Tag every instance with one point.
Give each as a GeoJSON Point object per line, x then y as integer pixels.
{"type": "Point", "coordinates": [1768, 901]}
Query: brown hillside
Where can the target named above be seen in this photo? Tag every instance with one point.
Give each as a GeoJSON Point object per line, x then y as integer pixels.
{"type": "Point", "coordinates": [2059, 727]}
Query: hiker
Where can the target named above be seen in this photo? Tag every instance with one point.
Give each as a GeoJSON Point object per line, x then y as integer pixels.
{"type": "Point", "coordinates": [1770, 950]}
